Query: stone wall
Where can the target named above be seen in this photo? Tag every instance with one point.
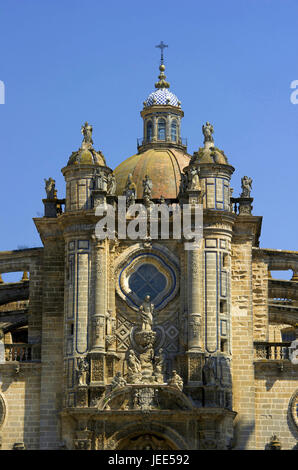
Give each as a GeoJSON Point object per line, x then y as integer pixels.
{"type": "Point", "coordinates": [242, 344]}
{"type": "Point", "coordinates": [20, 392]}
{"type": "Point", "coordinates": [274, 390]}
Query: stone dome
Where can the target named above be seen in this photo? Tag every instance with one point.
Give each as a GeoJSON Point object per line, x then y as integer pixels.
{"type": "Point", "coordinates": [163, 166]}
{"type": "Point", "coordinates": [87, 156]}
{"type": "Point", "coordinates": [210, 154]}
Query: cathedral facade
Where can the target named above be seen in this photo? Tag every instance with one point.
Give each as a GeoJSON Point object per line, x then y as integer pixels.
{"type": "Point", "coordinates": [128, 331]}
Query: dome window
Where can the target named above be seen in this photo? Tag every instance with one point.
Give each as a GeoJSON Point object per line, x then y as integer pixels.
{"type": "Point", "coordinates": [149, 131]}
{"type": "Point", "coordinates": [174, 130]}
{"type": "Point", "coordinates": [161, 129]}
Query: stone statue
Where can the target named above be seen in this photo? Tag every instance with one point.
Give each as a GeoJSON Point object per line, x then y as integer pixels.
{"type": "Point", "coordinates": [130, 191]}
{"type": "Point", "coordinates": [209, 371]}
{"type": "Point", "coordinates": [194, 179]}
{"type": "Point", "coordinates": [50, 188]}
{"type": "Point", "coordinates": [160, 366]}
{"type": "Point", "coordinates": [176, 380]}
{"type": "Point", "coordinates": [82, 370]}
{"type": "Point", "coordinates": [246, 185]}
{"type": "Point", "coordinates": [134, 369]}
{"type": "Point", "coordinates": [147, 187]}
{"type": "Point", "coordinates": [147, 311]}
{"type": "Point", "coordinates": [208, 131]}
{"type": "Point", "coordinates": [100, 180]}
{"type": "Point", "coordinates": [133, 362]}
{"type": "Point", "coordinates": [118, 381]}
{"type": "Point", "coordinates": [86, 130]}
{"type": "Point", "coordinates": [111, 184]}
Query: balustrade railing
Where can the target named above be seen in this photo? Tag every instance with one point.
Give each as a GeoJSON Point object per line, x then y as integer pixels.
{"type": "Point", "coordinates": [272, 351]}
{"type": "Point", "coordinates": [22, 352]}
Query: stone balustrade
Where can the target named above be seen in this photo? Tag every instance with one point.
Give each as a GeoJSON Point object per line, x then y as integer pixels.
{"type": "Point", "coordinates": [272, 351]}
{"type": "Point", "coordinates": [22, 352]}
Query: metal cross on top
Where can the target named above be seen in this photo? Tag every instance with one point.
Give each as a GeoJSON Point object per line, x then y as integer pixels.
{"type": "Point", "coordinates": [161, 46]}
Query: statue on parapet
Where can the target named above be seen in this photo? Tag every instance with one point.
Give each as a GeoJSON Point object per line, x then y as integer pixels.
{"type": "Point", "coordinates": [111, 184]}
{"type": "Point", "coordinates": [246, 185]}
{"type": "Point", "coordinates": [50, 188]}
{"type": "Point", "coordinates": [130, 191]}
{"type": "Point", "coordinates": [193, 179]}
{"type": "Point", "coordinates": [100, 180]}
{"type": "Point", "coordinates": [147, 187]}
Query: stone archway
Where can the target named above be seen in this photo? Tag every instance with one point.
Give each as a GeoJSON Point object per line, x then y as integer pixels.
{"type": "Point", "coordinates": [145, 441]}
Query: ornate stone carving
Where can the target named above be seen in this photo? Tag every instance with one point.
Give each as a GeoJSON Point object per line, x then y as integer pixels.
{"type": "Point", "coordinates": [118, 381]}
{"type": "Point", "coordinates": [82, 444]}
{"type": "Point", "coordinates": [144, 398]}
{"type": "Point", "coordinates": [82, 397]}
{"type": "Point", "coordinates": [97, 369]}
{"type": "Point", "coordinates": [209, 371]}
{"type": "Point", "coordinates": [82, 370]}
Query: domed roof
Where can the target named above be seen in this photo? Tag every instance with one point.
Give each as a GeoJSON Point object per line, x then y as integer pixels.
{"type": "Point", "coordinates": [87, 156]}
{"type": "Point", "coordinates": [162, 96]}
{"type": "Point", "coordinates": [163, 166]}
{"type": "Point", "coordinates": [210, 155]}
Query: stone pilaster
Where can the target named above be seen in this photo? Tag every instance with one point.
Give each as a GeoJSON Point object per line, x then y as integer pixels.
{"type": "Point", "coordinates": [194, 314]}
{"type": "Point", "coordinates": [100, 298]}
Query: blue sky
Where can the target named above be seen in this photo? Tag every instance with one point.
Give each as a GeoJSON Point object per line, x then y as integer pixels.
{"type": "Point", "coordinates": [230, 62]}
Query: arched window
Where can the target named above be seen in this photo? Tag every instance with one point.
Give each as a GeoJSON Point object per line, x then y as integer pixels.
{"type": "Point", "coordinates": [161, 132]}
{"type": "Point", "coordinates": [174, 130]}
{"type": "Point", "coordinates": [149, 131]}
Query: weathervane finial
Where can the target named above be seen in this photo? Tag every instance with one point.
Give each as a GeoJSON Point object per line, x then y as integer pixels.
{"type": "Point", "coordinates": [161, 46]}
